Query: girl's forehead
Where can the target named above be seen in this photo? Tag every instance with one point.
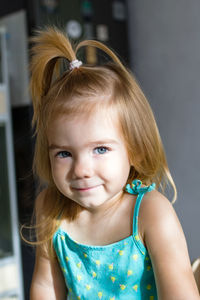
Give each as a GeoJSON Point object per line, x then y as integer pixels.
{"type": "Point", "coordinates": [88, 112]}
{"type": "Point", "coordinates": [99, 118]}
{"type": "Point", "coordinates": [98, 124]}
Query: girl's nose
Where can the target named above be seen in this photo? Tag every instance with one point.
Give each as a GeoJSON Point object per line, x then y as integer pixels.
{"type": "Point", "coordinates": [82, 168]}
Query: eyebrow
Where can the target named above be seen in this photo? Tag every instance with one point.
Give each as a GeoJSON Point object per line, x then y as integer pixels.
{"type": "Point", "coordinates": [100, 142]}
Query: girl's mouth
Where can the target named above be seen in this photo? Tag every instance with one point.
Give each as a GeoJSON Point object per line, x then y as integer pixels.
{"type": "Point", "coordinates": [85, 188]}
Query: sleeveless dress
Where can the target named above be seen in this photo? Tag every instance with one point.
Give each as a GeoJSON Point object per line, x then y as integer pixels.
{"type": "Point", "coordinates": [118, 271]}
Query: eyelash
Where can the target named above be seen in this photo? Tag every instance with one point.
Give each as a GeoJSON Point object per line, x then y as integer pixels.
{"type": "Point", "coordinates": [65, 154]}
{"type": "Point", "coordinates": [101, 147]}
{"type": "Point", "coordinates": [60, 154]}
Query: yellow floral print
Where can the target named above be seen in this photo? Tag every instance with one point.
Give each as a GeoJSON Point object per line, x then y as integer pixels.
{"type": "Point", "coordinates": [110, 266]}
{"type": "Point", "coordinates": [113, 278]}
{"type": "Point", "coordinates": [100, 294]}
{"type": "Point", "coordinates": [135, 256]}
{"type": "Point", "coordinates": [94, 274]}
{"type": "Point", "coordinates": [135, 287]}
{"type": "Point", "coordinates": [130, 272]}
{"type": "Point", "coordinates": [88, 287]}
{"type": "Point", "coordinates": [98, 262]}
{"type": "Point", "coordinates": [137, 237]}
{"type": "Point", "coordinates": [148, 287]}
{"type": "Point", "coordinates": [122, 286]}
{"type": "Point", "coordinates": [79, 277]}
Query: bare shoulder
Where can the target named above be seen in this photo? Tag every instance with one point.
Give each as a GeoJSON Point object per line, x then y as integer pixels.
{"type": "Point", "coordinates": [155, 207]}
{"type": "Point", "coordinates": [160, 221]}
{"type": "Point", "coordinates": [155, 201]}
{"type": "Point", "coordinates": [157, 217]}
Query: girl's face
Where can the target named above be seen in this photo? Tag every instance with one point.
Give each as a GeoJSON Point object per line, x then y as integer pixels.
{"type": "Point", "coordinates": [89, 161]}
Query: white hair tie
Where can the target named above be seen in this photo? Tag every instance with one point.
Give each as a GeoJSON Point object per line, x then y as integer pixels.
{"type": "Point", "coordinates": [75, 64]}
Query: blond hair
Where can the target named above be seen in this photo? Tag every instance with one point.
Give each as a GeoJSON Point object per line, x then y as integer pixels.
{"type": "Point", "coordinates": [56, 89]}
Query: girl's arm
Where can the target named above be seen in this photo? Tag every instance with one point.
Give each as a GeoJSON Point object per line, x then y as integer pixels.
{"type": "Point", "coordinates": [167, 247]}
{"type": "Point", "coordinates": [48, 281]}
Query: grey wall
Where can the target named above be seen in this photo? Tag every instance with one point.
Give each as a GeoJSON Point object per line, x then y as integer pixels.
{"type": "Point", "coordinates": [165, 57]}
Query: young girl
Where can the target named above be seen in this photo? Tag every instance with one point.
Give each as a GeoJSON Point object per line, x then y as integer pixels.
{"type": "Point", "coordinates": [103, 230]}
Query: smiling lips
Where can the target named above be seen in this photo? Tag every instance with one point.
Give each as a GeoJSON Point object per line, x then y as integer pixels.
{"type": "Point", "coordinates": [86, 188]}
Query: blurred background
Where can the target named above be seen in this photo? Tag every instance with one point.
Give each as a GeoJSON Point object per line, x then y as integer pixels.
{"type": "Point", "coordinates": [160, 42]}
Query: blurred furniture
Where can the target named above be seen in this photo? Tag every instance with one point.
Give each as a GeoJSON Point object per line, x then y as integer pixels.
{"type": "Point", "coordinates": [11, 286]}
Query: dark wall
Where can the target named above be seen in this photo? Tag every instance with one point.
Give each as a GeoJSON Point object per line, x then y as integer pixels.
{"type": "Point", "coordinates": [7, 7]}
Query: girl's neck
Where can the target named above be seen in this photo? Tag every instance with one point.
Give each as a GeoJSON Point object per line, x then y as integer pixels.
{"type": "Point", "coordinates": [105, 209]}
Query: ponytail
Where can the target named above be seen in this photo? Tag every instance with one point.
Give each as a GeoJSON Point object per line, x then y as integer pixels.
{"type": "Point", "coordinates": [49, 46]}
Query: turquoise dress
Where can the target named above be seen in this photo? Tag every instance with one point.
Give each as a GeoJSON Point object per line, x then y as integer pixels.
{"type": "Point", "coordinates": [118, 271]}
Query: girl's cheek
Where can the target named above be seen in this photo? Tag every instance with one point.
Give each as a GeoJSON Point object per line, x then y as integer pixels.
{"type": "Point", "coordinates": [108, 166]}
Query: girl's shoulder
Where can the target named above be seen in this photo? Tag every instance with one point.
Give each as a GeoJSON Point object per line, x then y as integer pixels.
{"type": "Point", "coordinates": [155, 203]}
{"type": "Point", "coordinates": [156, 209]}
{"type": "Point", "coordinates": [156, 214]}
{"type": "Point", "coordinates": [158, 220]}
{"type": "Point", "coordinates": [164, 238]}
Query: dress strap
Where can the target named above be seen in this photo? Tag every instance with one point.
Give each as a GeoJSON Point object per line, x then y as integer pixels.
{"type": "Point", "coordinates": [136, 189]}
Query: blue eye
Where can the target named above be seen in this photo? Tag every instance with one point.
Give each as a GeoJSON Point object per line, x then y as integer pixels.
{"type": "Point", "coordinates": [63, 154]}
{"type": "Point", "coordinates": [100, 150]}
